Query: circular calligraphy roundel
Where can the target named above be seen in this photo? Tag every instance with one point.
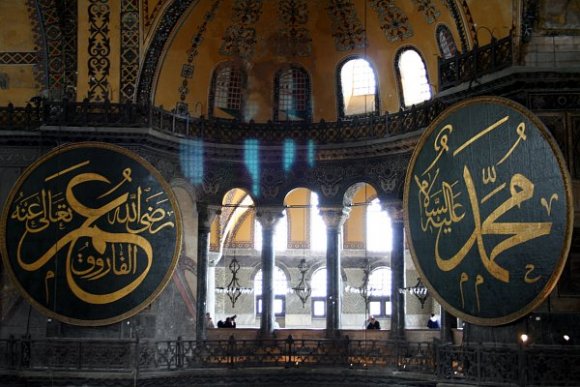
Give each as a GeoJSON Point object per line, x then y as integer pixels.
{"type": "Point", "coordinates": [489, 212]}
{"type": "Point", "coordinates": [91, 233]}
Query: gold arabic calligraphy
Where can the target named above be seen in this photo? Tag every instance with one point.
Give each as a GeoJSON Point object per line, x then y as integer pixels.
{"type": "Point", "coordinates": [442, 207]}
{"type": "Point", "coordinates": [91, 252]}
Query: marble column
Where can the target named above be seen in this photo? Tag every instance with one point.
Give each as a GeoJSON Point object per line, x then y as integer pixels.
{"type": "Point", "coordinates": [395, 211]}
{"type": "Point", "coordinates": [334, 218]}
{"type": "Point", "coordinates": [206, 214]}
{"type": "Point", "coordinates": [268, 218]}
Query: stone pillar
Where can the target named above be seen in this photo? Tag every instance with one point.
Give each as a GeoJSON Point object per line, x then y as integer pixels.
{"type": "Point", "coordinates": [210, 299]}
{"type": "Point", "coordinates": [268, 217]}
{"type": "Point", "coordinates": [395, 212]}
{"type": "Point", "coordinates": [334, 218]}
{"type": "Point", "coordinates": [206, 214]}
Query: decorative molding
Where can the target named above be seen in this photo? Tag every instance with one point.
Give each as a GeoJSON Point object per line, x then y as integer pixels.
{"type": "Point", "coordinates": [154, 55]}
{"type": "Point", "coordinates": [99, 48]}
{"type": "Point", "coordinates": [19, 58]}
{"type": "Point", "coordinates": [130, 54]}
{"type": "Point", "coordinates": [59, 35]}
{"type": "Point", "coordinates": [471, 26]}
{"type": "Point", "coordinates": [452, 6]}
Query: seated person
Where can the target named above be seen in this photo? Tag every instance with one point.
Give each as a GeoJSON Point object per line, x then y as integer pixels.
{"type": "Point", "coordinates": [373, 323]}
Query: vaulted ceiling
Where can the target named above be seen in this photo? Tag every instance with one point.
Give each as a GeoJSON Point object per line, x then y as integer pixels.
{"type": "Point", "coordinates": [164, 51]}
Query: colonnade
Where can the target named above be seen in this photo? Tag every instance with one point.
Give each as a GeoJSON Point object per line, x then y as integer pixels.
{"type": "Point", "coordinates": [334, 218]}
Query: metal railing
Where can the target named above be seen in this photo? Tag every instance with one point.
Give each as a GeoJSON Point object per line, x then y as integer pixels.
{"type": "Point", "coordinates": [469, 66]}
{"type": "Point", "coordinates": [142, 356]}
{"type": "Point", "coordinates": [536, 365]}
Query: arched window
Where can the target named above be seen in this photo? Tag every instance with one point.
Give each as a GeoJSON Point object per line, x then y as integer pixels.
{"type": "Point", "coordinates": [280, 286]}
{"type": "Point", "coordinates": [413, 77]}
{"type": "Point", "coordinates": [379, 233]}
{"type": "Point", "coordinates": [318, 295]}
{"type": "Point", "coordinates": [317, 226]}
{"type": "Point", "coordinates": [445, 42]}
{"type": "Point", "coordinates": [280, 238]}
{"type": "Point", "coordinates": [292, 95]}
{"type": "Point", "coordinates": [380, 292]}
{"type": "Point", "coordinates": [226, 97]}
{"type": "Point", "coordinates": [358, 91]}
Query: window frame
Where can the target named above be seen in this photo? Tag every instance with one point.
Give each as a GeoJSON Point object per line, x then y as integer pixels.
{"type": "Point", "coordinates": [402, 50]}
{"type": "Point", "coordinates": [340, 95]}
{"type": "Point", "coordinates": [300, 94]}
{"type": "Point", "coordinates": [314, 300]}
{"type": "Point", "coordinates": [259, 302]}
{"type": "Point", "coordinates": [241, 89]}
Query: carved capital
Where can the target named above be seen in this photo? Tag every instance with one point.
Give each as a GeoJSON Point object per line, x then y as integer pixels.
{"type": "Point", "coordinates": [206, 214]}
{"type": "Point", "coordinates": [334, 217]}
{"type": "Point", "coordinates": [269, 216]}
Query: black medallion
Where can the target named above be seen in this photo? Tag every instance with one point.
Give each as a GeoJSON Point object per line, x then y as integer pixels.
{"type": "Point", "coordinates": [489, 212]}
{"type": "Point", "coordinates": [91, 233]}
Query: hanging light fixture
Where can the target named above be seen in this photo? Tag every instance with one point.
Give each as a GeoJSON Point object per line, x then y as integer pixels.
{"type": "Point", "coordinates": [234, 290]}
{"type": "Point", "coordinates": [419, 291]}
{"type": "Point", "coordinates": [303, 288]}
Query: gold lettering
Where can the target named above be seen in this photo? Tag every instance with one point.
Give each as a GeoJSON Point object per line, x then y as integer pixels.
{"type": "Point", "coordinates": [440, 145]}
{"type": "Point", "coordinates": [530, 268]}
{"type": "Point", "coordinates": [548, 205]}
{"type": "Point", "coordinates": [521, 131]}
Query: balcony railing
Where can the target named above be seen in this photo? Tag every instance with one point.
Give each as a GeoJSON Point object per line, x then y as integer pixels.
{"type": "Point", "coordinates": [553, 365]}
{"type": "Point", "coordinates": [129, 115]}
{"type": "Point", "coordinates": [469, 66]}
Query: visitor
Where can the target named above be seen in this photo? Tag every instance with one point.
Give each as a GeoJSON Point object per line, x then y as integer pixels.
{"type": "Point", "coordinates": [373, 323]}
{"type": "Point", "coordinates": [433, 323]}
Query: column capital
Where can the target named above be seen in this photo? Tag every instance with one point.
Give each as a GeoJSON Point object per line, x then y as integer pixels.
{"type": "Point", "coordinates": [334, 217]}
{"type": "Point", "coordinates": [394, 209]}
{"type": "Point", "coordinates": [206, 214]}
{"type": "Point", "coordinates": [269, 216]}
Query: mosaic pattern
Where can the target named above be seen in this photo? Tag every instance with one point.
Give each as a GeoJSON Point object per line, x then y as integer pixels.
{"type": "Point", "coordinates": [54, 26]}
{"type": "Point", "coordinates": [129, 49]}
{"type": "Point", "coordinates": [293, 39]}
{"type": "Point", "coordinates": [347, 29]}
{"type": "Point", "coordinates": [393, 22]}
{"type": "Point", "coordinates": [41, 70]}
{"type": "Point", "coordinates": [99, 48]}
{"type": "Point", "coordinates": [69, 11]}
{"type": "Point", "coordinates": [166, 25]}
{"type": "Point", "coordinates": [188, 68]}
{"type": "Point", "coordinates": [428, 8]}
{"type": "Point", "coordinates": [18, 58]}
{"type": "Point", "coordinates": [240, 38]}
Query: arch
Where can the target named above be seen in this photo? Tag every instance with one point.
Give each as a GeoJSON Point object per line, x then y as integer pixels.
{"type": "Point", "coordinates": [227, 91]}
{"type": "Point", "coordinates": [363, 98]}
{"type": "Point", "coordinates": [412, 77]}
{"type": "Point", "coordinates": [292, 94]}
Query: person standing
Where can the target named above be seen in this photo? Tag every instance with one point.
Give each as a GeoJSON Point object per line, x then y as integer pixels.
{"type": "Point", "coordinates": [209, 321]}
